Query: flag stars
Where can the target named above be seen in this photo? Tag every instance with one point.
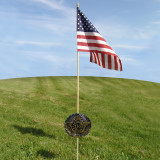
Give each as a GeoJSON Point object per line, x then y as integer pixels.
{"type": "Point", "coordinates": [83, 23]}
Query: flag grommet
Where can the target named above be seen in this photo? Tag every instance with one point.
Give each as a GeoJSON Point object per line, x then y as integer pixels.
{"type": "Point", "coordinates": [77, 125]}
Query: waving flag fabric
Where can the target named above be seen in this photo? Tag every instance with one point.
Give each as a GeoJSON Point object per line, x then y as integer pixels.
{"type": "Point", "coordinates": [90, 40]}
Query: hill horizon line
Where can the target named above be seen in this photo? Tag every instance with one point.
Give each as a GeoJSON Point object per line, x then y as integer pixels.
{"type": "Point", "coordinates": [79, 76]}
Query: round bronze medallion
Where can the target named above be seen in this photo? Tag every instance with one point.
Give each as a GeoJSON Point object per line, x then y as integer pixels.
{"type": "Point", "coordinates": [77, 125]}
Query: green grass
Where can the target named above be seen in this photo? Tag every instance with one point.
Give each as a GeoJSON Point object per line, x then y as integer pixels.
{"type": "Point", "coordinates": [125, 117]}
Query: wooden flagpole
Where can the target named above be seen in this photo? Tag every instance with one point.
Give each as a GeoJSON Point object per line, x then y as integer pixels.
{"type": "Point", "coordinates": [77, 82]}
{"type": "Point", "coordinates": [77, 90]}
{"type": "Point", "coordinates": [77, 76]}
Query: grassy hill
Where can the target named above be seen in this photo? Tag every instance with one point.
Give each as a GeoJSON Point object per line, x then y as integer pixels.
{"type": "Point", "coordinates": [125, 117]}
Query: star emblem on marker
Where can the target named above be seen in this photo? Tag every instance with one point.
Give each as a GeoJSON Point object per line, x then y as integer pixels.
{"type": "Point", "coordinates": [78, 125]}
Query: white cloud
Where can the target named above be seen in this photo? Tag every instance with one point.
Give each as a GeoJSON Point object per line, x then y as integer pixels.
{"type": "Point", "coordinates": [61, 22]}
{"type": "Point", "coordinates": [84, 54]}
{"type": "Point", "coordinates": [129, 47]}
{"type": "Point", "coordinates": [54, 58]}
{"type": "Point", "coordinates": [112, 30]}
{"type": "Point", "coordinates": [144, 33]}
{"type": "Point", "coordinates": [59, 25]}
{"type": "Point", "coordinates": [53, 4]}
{"type": "Point", "coordinates": [62, 61]}
{"type": "Point", "coordinates": [58, 5]}
{"type": "Point", "coordinates": [156, 22]}
{"type": "Point", "coordinates": [127, 59]}
{"type": "Point", "coordinates": [41, 44]}
{"type": "Point", "coordinates": [158, 12]}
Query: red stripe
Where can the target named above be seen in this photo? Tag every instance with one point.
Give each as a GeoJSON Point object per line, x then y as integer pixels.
{"type": "Point", "coordinates": [109, 62]}
{"type": "Point", "coordinates": [84, 50]}
{"type": "Point", "coordinates": [115, 62]}
{"type": "Point", "coordinates": [93, 45]}
{"type": "Point", "coordinates": [97, 61]}
{"type": "Point", "coordinates": [103, 60]}
{"type": "Point", "coordinates": [120, 65]}
{"type": "Point", "coordinates": [90, 37]}
{"type": "Point", "coordinates": [91, 57]}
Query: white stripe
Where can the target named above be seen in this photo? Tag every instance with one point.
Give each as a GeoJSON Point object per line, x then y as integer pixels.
{"type": "Point", "coordinates": [88, 33]}
{"type": "Point", "coordinates": [93, 59]}
{"type": "Point", "coordinates": [112, 62]}
{"type": "Point", "coordinates": [118, 64]}
{"type": "Point", "coordinates": [92, 41]}
{"type": "Point", "coordinates": [96, 48]}
{"type": "Point", "coordinates": [96, 58]}
{"type": "Point", "coordinates": [106, 60]}
{"type": "Point", "coordinates": [100, 59]}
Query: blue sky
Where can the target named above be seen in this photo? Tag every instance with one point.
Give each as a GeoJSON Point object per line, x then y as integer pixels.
{"type": "Point", "coordinates": [38, 37]}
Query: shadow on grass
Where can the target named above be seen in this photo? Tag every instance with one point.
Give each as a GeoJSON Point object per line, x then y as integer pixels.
{"type": "Point", "coordinates": [33, 131]}
{"type": "Point", "coordinates": [45, 154]}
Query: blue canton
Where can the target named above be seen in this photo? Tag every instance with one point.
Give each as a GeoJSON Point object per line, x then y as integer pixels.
{"type": "Point", "coordinates": [83, 23]}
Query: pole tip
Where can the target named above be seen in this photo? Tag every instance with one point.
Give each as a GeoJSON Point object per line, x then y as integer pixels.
{"type": "Point", "coordinates": [77, 5]}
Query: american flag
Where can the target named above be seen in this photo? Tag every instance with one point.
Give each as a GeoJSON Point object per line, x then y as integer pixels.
{"type": "Point", "coordinates": [90, 40]}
